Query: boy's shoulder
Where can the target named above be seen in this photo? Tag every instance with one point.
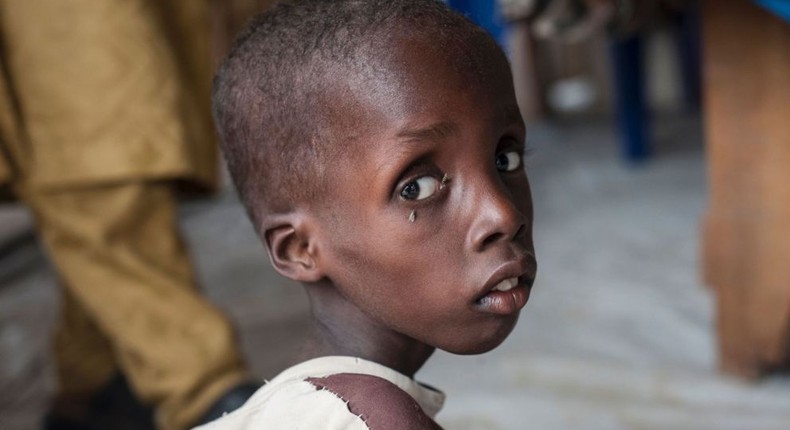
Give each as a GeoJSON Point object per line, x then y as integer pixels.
{"type": "Point", "coordinates": [357, 394]}
{"type": "Point", "coordinates": [377, 401]}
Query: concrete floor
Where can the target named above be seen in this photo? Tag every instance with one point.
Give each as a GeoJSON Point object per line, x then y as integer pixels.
{"type": "Point", "coordinates": [618, 333]}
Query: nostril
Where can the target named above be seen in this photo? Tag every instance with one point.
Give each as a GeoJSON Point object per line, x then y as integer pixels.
{"type": "Point", "coordinates": [497, 218]}
{"type": "Point", "coordinates": [491, 239]}
{"type": "Point", "coordinates": [520, 231]}
{"type": "Point", "coordinates": [503, 236]}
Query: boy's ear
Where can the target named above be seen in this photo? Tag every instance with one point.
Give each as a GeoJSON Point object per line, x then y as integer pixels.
{"type": "Point", "coordinates": [292, 251]}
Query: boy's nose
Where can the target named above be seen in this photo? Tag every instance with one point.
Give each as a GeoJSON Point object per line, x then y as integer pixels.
{"type": "Point", "coordinates": [496, 218]}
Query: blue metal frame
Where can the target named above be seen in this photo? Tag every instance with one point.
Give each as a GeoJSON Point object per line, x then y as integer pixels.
{"type": "Point", "coordinates": [779, 7]}
{"type": "Point", "coordinates": [485, 13]}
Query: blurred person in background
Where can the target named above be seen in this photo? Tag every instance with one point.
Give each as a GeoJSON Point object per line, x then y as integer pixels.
{"type": "Point", "coordinates": [547, 37]}
{"type": "Point", "coordinates": [104, 117]}
{"type": "Point", "coordinates": [568, 21]}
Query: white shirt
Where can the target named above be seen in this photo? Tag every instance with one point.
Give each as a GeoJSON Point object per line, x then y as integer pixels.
{"type": "Point", "coordinates": [336, 393]}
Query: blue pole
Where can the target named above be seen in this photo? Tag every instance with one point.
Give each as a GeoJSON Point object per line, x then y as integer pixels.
{"type": "Point", "coordinates": [630, 100]}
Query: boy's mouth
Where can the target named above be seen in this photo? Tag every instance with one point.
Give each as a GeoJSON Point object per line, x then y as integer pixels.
{"type": "Point", "coordinates": [504, 302]}
{"type": "Point", "coordinates": [507, 290]}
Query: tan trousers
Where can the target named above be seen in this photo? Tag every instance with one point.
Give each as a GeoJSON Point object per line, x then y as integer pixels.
{"type": "Point", "coordinates": [100, 102]}
{"type": "Point", "coordinates": [130, 301]}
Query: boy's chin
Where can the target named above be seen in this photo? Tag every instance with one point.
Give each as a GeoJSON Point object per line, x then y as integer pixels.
{"type": "Point", "coordinates": [480, 345]}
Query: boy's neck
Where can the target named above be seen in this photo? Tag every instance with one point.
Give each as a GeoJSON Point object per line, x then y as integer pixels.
{"type": "Point", "coordinates": [340, 328]}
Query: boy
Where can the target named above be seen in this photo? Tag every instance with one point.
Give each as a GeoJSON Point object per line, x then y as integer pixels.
{"type": "Point", "coordinates": [377, 147]}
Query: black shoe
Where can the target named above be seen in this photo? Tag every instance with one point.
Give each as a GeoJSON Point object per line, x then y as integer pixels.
{"type": "Point", "coordinates": [231, 401]}
{"type": "Point", "coordinates": [54, 422]}
{"type": "Point", "coordinates": [113, 407]}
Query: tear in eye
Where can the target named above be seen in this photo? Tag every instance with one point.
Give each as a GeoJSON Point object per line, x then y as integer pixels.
{"type": "Point", "coordinates": [508, 161]}
{"type": "Point", "coordinates": [422, 188]}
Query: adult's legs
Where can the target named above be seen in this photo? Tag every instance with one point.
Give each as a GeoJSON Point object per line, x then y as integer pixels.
{"type": "Point", "coordinates": [128, 278]}
{"type": "Point", "coordinates": [84, 358]}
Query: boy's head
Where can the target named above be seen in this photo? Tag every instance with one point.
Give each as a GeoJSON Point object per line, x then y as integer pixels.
{"type": "Point", "coordinates": [377, 147]}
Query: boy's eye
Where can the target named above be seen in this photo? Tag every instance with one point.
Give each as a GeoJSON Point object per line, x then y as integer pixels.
{"type": "Point", "coordinates": [422, 188]}
{"type": "Point", "coordinates": [508, 161]}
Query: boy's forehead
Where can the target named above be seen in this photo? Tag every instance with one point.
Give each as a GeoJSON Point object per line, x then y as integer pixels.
{"type": "Point", "coordinates": [407, 74]}
{"type": "Point", "coordinates": [415, 59]}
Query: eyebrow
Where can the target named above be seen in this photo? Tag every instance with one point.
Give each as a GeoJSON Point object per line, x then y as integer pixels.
{"type": "Point", "coordinates": [433, 132]}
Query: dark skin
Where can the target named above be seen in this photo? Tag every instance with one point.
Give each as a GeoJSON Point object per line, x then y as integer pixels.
{"type": "Point", "coordinates": [388, 289]}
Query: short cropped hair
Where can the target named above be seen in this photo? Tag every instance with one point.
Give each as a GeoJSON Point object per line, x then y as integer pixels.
{"type": "Point", "coordinates": [267, 93]}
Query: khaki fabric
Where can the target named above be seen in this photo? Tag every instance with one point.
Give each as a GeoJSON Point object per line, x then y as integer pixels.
{"type": "Point", "coordinates": [102, 91]}
{"type": "Point", "coordinates": [104, 107]}
{"type": "Point", "coordinates": [130, 301]}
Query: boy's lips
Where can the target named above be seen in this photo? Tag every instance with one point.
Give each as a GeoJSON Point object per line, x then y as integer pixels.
{"type": "Point", "coordinates": [507, 290]}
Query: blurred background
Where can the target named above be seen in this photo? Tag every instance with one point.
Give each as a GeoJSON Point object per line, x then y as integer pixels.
{"type": "Point", "coordinates": [660, 136]}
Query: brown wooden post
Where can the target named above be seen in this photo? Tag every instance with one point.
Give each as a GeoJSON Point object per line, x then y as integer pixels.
{"type": "Point", "coordinates": [746, 240]}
